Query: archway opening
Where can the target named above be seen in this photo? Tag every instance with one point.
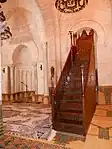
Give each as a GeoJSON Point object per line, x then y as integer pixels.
{"type": "Point", "coordinates": [24, 71]}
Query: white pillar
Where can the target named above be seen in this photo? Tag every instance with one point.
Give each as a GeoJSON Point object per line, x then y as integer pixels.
{"type": "Point", "coordinates": [58, 56]}
{"type": "Point", "coordinates": [35, 77]}
{"type": "Point", "coordinates": [12, 81]}
{"type": "Point", "coordinates": [0, 76]}
{"type": "Point", "coordinates": [46, 87]}
{"type": "Point", "coordinates": [21, 80]}
{"type": "Point", "coordinates": [1, 119]}
{"type": "Point", "coordinates": [31, 80]}
{"type": "Point", "coordinates": [17, 80]}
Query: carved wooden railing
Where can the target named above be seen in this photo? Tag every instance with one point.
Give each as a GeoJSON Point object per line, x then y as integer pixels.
{"type": "Point", "coordinates": [83, 97]}
{"type": "Point", "coordinates": [56, 93]}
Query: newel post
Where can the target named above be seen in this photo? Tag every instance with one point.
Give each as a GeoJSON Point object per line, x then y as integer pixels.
{"type": "Point", "coordinates": [82, 79]}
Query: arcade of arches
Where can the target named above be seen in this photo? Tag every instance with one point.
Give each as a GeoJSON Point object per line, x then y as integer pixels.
{"type": "Point", "coordinates": [33, 59]}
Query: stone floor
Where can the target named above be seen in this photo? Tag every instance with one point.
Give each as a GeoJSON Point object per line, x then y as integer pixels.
{"type": "Point", "coordinates": [27, 120]}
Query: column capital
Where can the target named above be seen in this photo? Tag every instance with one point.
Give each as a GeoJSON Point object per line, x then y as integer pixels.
{"type": "Point", "coordinates": [11, 65]}
{"type": "Point", "coordinates": [34, 64]}
{"type": "Point", "coordinates": [45, 44]}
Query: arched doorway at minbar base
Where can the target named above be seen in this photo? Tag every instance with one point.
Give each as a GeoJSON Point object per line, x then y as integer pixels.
{"type": "Point", "coordinates": [75, 97]}
{"type": "Point", "coordinates": [23, 116]}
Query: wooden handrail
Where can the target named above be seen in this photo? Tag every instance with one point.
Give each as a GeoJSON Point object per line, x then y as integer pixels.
{"type": "Point", "coordinates": [55, 94]}
{"type": "Point", "coordinates": [67, 67]}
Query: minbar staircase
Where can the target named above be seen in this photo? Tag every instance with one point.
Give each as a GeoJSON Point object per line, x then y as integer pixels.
{"type": "Point", "coordinates": [74, 98]}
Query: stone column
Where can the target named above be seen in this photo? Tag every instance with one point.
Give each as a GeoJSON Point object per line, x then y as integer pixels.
{"type": "Point", "coordinates": [58, 45]}
{"type": "Point", "coordinates": [34, 82]}
{"type": "Point", "coordinates": [1, 119]}
{"type": "Point", "coordinates": [46, 87]}
{"type": "Point", "coordinates": [31, 80]}
{"type": "Point", "coordinates": [36, 78]}
{"type": "Point", "coordinates": [15, 80]}
{"type": "Point", "coordinates": [15, 77]}
{"type": "Point", "coordinates": [12, 81]}
{"type": "Point", "coordinates": [24, 80]}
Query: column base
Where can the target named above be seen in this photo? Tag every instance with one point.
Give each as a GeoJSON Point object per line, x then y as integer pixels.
{"type": "Point", "coordinates": [46, 100]}
{"type": "Point", "coordinates": [34, 99]}
{"type": "Point", "coordinates": [12, 98]}
{"type": "Point", "coordinates": [6, 97]}
{"type": "Point", "coordinates": [40, 98]}
{"type": "Point", "coordinates": [1, 123]}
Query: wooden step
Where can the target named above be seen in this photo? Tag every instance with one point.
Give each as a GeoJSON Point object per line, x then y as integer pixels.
{"type": "Point", "coordinates": [70, 100]}
{"type": "Point", "coordinates": [71, 106]}
{"type": "Point", "coordinates": [71, 128]}
{"type": "Point", "coordinates": [71, 85]}
{"type": "Point", "coordinates": [73, 79]}
{"type": "Point", "coordinates": [75, 89]}
{"type": "Point", "coordinates": [72, 118]}
{"type": "Point", "coordinates": [64, 113]}
{"type": "Point", "coordinates": [72, 92]}
{"type": "Point", "coordinates": [73, 96]}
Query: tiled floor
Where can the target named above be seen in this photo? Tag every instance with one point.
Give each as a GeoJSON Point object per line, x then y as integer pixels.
{"type": "Point", "coordinates": [100, 131]}
{"type": "Point", "coordinates": [35, 121]}
{"type": "Point", "coordinates": [27, 120]}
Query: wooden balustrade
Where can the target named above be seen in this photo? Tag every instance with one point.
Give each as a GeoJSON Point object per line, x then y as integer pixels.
{"type": "Point", "coordinates": [74, 100]}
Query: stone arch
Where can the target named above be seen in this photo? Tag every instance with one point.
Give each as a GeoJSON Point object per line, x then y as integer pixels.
{"type": "Point", "coordinates": [97, 27]}
{"type": "Point", "coordinates": [99, 31]}
{"type": "Point", "coordinates": [21, 55]}
{"type": "Point", "coordinates": [36, 26]}
{"type": "Point", "coordinates": [37, 29]}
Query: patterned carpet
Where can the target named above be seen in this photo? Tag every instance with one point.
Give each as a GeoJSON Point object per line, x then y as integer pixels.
{"type": "Point", "coordinates": [62, 138]}
{"type": "Point", "coordinates": [27, 120]}
{"type": "Point", "coordinates": [11, 142]}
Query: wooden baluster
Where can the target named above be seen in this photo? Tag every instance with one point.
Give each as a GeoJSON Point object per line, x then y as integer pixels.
{"type": "Point", "coordinates": [70, 32]}
{"type": "Point", "coordinates": [72, 45]}
{"type": "Point", "coordinates": [83, 93]}
{"type": "Point", "coordinates": [82, 78]}
{"type": "Point", "coordinates": [52, 94]}
{"type": "Point", "coordinates": [74, 39]}
{"type": "Point", "coordinates": [52, 83]}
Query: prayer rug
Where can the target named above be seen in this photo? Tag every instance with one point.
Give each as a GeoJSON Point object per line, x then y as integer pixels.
{"type": "Point", "coordinates": [27, 120]}
{"type": "Point", "coordinates": [12, 142]}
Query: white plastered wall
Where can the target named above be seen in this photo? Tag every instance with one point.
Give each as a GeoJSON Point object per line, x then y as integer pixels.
{"type": "Point", "coordinates": [27, 26]}
{"type": "Point", "coordinates": [48, 24]}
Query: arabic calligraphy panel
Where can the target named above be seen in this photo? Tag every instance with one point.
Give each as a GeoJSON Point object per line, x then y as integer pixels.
{"type": "Point", "coordinates": [70, 6]}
